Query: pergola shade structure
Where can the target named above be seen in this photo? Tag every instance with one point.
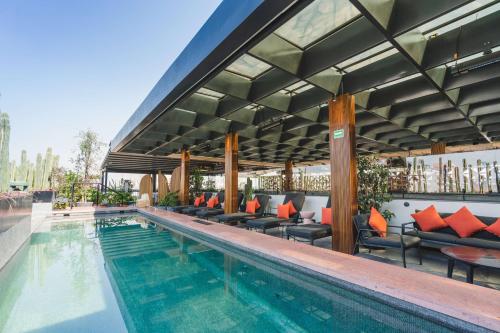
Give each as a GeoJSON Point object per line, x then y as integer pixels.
{"type": "Point", "coordinates": [260, 80]}
{"type": "Point", "coordinates": [421, 72]}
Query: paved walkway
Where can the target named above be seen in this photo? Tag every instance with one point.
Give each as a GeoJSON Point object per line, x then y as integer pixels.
{"type": "Point", "coordinates": [467, 302]}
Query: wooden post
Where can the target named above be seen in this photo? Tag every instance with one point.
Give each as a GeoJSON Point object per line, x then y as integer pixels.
{"type": "Point", "coordinates": [288, 176]}
{"type": "Point", "coordinates": [231, 174]}
{"type": "Point", "coordinates": [438, 148]}
{"type": "Point", "coordinates": [343, 165]}
{"type": "Point", "coordinates": [184, 188]}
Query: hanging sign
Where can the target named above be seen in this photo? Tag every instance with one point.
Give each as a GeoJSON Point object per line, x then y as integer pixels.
{"type": "Point", "coordinates": [338, 134]}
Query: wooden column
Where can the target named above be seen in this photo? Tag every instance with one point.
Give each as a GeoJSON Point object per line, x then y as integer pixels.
{"type": "Point", "coordinates": [288, 186]}
{"type": "Point", "coordinates": [231, 174]}
{"type": "Point", "coordinates": [343, 167]}
{"type": "Point", "coordinates": [184, 187]}
{"type": "Point", "coordinates": [438, 148]}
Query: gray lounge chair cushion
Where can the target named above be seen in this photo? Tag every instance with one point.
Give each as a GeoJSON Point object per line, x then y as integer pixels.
{"type": "Point", "coordinates": [233, 217]}
{"type": "Point", "coordinates": [392, 241]}
{"type": "Point", "coordinates": [265, 222]}
{"type": "Point", "coordinates": [476, 242]}
{"type": "Point", "coordinates": [310, 231]}
{"type": "Point", "coordinates": [433, 236]}
{"type": "Point", "coordinates": [209, 212]}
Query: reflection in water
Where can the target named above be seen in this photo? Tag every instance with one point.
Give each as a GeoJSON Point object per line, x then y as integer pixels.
{"type": "Point", "coordinates": [167, 282]}
{"type": "Point", "coordinates": [57, 281]}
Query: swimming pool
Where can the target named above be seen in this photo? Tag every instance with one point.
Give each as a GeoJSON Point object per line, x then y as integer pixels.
{"type": "Point", "coordinates": [129, 274]}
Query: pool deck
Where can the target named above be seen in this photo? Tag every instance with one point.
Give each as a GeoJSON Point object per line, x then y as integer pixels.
{"type": "Point", "coordinates": [471, 303]}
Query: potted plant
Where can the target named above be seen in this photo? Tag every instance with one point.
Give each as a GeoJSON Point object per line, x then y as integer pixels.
{"type": "Point", "coordinates": [373, 185]}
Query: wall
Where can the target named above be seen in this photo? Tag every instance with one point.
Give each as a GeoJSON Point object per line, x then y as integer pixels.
{"type": "Point", "coordinates": [444, 206]}
{"type": "Point", "coordinates": [19, 217]}
{"type": "Point", "coordinates": [15, 223]}
{"type": "Point", "coordinates": [312, 203]}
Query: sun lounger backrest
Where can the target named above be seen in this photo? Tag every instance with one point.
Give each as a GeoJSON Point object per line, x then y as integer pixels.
{"type": "Point", "coordinates": [263, 201]}
{"type": "Point", "coordinates": [240, 198]}
{"type": "Point", "coordinates": [207, 196]}
{"type": "Point", "coordinates": [220, 195]}
{"type": "Point", "coordinates": [329, 203]}
{"type": "Point", "coordinates": [297, 199]}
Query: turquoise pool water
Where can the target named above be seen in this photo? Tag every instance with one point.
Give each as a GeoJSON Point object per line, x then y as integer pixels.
{"type": "Point", "coordinates": [124, 274]}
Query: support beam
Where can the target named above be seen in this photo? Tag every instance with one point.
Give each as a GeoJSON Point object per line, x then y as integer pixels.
{"type": "Point", "coordinates": [154, 182]}
{"type": "Point", "coordinates": [288, 186]}
{"type": "Point", "coordinates": [106, 181]}
{"type": "Point", "coordinates": [231, 174]}
{"type": "Point", "coordinates": [184, 187]}
{"type": "Point", "coordinates": [343, 171]}
{"type": "Point", "coordinates": [438, 148]}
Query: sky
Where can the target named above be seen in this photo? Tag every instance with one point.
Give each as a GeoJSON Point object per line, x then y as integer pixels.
{"type": "Point", "coordinates": [72, 65]}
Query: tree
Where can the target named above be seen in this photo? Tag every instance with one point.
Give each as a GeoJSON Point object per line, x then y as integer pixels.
{"type": "Point", "coordinates": [89, 150]}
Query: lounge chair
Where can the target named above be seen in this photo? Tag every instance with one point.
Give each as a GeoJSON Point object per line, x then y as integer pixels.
{"type": "Point", "coordinates": [310, 232]}
{"type": "Point", "coordinates": [270, 222]}
{"type": "Point", "coordinates": [194, 210]}
{"type": "Point", "coordinates": [210, 212]}
{"type": "Point", "coordinates": [178, 209]}
{"type": "Point", "coordinates": [243, 216]}
{"type": "Point", "coordinates": [369, 238]}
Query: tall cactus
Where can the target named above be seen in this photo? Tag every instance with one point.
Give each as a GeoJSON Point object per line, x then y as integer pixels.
{"type": "Point", "coordinates": [22, 170]}
{"type": "Point", "coordinates": [47, 168]}
{"type": "Point", "coordinates": [38, 172]}
{"type": "Point", "coordinates": [4, 151]}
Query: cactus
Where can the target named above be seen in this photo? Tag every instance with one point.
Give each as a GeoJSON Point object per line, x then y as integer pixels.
{"type": "Point", "coordinates": [22, 170]}
{"type": "Point", "coordinates": [464, 169]}
{"type": "Point", "coordinates": [47, 168]}
{"type": "Point", "coordinates": [37, 183]}
{"type": "Point", "coordinates": [248, 190]}
{"type": "Point", "coordinates": [4, 151]}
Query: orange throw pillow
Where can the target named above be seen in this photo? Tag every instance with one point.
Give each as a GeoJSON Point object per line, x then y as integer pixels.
{"type": "Point", "coordinates": [211, 202]}
{"type": "Point", "coordinates": [326, 215]}
{"type": "Point", "coordinates": [257, 204]}
{"type": "Point", "coordinates": [216, 200]}
{"type": "Point", "coordinates": [429, 219]}
{"type": "Point", "coordinates": [197, 202]}
{"type": "Point", "coordinates": [292, 210]}
{"type": "Point", "coordinates": [284, 211]}
{"type": "Point", "coordinates": [378, 222]}
{"type": "Point", "coordinates": [251, 206]}
{"type": "Point", "coordinates": [494, 228]}
{"type": "Point", "coordinates": [464, 223]}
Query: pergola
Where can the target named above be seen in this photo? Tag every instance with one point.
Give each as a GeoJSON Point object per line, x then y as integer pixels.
{"type": "Point", "coordinates": [283, 81]}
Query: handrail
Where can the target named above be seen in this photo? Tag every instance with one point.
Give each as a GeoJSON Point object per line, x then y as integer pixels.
{"type": "Point", "coordinates": [98, 186]}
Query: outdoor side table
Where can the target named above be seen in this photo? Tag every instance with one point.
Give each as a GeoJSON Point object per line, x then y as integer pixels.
{"type": "Point", "coordinates": [471, 257]}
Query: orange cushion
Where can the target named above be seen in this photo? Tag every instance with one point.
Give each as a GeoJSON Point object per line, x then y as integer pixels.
{"type": "Point", "coordinates": [292, 210]}
{"type": "Point", "coordinates": [494, 228]}
{"type": "Point", "coordinates": [202, 198]}
{"type": "Point", "coordinates": [211, 202]}
{"type": "Point", "coordinates": [464, 222]}
{"type": "Point", "coordinates": [251, 206]}
{"type": "Point", "coordinates": [284, 211]}
{"type": "Point", "coordinates": [197, 202]}
{"type": "Point", "coordinates": [429, 219]}
{"type": "Point", "coordinates": [326, 215]}
{"type": "Point", "coordinates": [378, 222]}
{"type": "Point", "coordinates": [257, 204]}
{"type": "Point", "coordinates": [216, 200]}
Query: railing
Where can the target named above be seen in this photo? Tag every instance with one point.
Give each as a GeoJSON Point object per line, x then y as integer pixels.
{"type": "Point", "coordinates": [100, 190]}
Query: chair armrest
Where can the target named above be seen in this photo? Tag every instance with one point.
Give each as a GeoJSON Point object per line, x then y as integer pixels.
{"type": "Point", "coordinates": [387, 232]}
{"type": "Point", "coordinates": [403, 226]}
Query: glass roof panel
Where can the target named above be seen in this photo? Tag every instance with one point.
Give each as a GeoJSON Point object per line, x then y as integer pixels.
{"type": "Point", "coordinates": [210, 93]}
{"type": "Point", "coordinates": [398, 81]}
{"type": "Point", "coordinates": [371, 60]}
{"type": "Point", "coordinates": [366, 54]}
{"type": "Point", "coordinates": [435, 27]}
{"type": "Point", "coordinates": [317, 20]}
{"type": "Point", "coordinates": [248, 66]}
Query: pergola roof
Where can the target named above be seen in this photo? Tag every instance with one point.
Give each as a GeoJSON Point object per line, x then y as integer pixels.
{"type": "Point", "coordinates": [138, 163]}
{"type": "Point", "coordinates": [422, 72]}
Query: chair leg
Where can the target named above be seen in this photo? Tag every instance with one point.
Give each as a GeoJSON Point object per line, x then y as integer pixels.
{"type": "Point", "coordinates": [419, 249]}
{"type": "Point", "coordinates": [403, 255]}
{"type": "Point", "coordinates": [369, 250]}
{"type": "Point", "coordinates": [263, 231]}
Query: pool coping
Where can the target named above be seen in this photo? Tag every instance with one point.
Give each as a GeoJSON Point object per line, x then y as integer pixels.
{"type": "Point", "coordinates": [463, 307]}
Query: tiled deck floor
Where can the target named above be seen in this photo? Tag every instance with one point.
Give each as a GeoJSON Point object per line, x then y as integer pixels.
{"type": "Point", "coordinates": [433, 262]}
